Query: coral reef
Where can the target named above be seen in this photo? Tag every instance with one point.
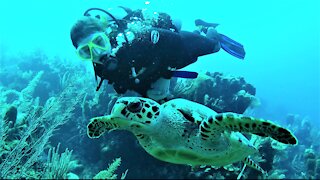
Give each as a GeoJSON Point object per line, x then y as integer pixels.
{"type": "Point", "coordinates": [110, 172]}
{"type": "Point", "coordinates": [44, 103]}
{"type": "Point", "coordinates": [58, 165]}
{"type": "Point", "coordinates": [222, 93]}
{"type": "Point", "coordinates": [312, 163]}
{"type": "Point", "coordinates": [11, 116]}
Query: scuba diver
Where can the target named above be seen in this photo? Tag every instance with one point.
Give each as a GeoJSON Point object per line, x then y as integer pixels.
{"type": "Point", "coordinates": [142, 51]}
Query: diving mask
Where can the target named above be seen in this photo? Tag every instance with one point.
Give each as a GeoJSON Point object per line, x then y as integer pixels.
{"type": "Point", "coordinates": [98, 44]}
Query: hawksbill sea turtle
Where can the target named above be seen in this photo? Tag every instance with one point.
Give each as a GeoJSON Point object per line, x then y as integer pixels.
{"type": "Point", "coordinates": [184, 132]}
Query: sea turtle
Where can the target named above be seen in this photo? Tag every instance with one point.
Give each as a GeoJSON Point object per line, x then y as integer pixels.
{"type": "Point", "coordinates": [184, 132]}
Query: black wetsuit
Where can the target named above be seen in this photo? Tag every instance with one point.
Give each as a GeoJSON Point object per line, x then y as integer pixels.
{"type": "Point", "coordinates": [174, 49]}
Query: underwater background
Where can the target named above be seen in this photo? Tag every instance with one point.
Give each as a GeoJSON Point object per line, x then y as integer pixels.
{"type": "Point", "coordinates": [48, 95]}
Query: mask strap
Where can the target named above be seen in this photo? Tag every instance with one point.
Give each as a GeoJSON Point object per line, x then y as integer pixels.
{"type": "Point", "coordinates": [86, 13]}
{"type": "Point", "coordinates": [95, 74]}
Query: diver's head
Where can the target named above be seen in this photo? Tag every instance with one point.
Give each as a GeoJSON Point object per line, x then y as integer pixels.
{"type": "Point", "coordinates": [89, 38]}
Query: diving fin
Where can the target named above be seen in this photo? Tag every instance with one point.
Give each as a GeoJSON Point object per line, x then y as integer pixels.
{"type": "Point", "coordinates": [126, 9]}
{"type": "Point", "coordinates": [185, 74]}
{"type": "Point", "coordinates": [229, 45]}
{"type": "Point", "coordinates": [199, 22]}
{"type": "Point", "coordinates": [232, 47]}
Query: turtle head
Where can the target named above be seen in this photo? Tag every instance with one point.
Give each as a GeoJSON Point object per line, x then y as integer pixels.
{"type": "Point", "coordinates": [136, 110]}
{"type": "Point", "coordinates": [135, 114]}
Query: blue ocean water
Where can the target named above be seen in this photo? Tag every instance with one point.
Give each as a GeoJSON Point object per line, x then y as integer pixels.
{"type": "Point", "coordinates": [281, 39]}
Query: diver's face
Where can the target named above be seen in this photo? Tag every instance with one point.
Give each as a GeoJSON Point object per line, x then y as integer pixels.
{"type": "Point", "coordinates": [94, 46]}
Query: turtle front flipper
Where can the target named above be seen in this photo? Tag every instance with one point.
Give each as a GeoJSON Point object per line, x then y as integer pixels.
{"type": "Point", "coordinates": [240, 123]}
{"type": "Point", "coordinates": [98, 126]}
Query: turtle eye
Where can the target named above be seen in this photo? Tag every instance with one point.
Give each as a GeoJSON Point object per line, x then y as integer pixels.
{"type": "Point", "coordinates": [134, 106]}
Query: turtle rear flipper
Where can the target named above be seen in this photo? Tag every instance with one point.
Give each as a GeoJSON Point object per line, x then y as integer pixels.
{"type": "Point", "coordinates": [249, 162]}
{"type": "Point", "coordinates": [240, 123]}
